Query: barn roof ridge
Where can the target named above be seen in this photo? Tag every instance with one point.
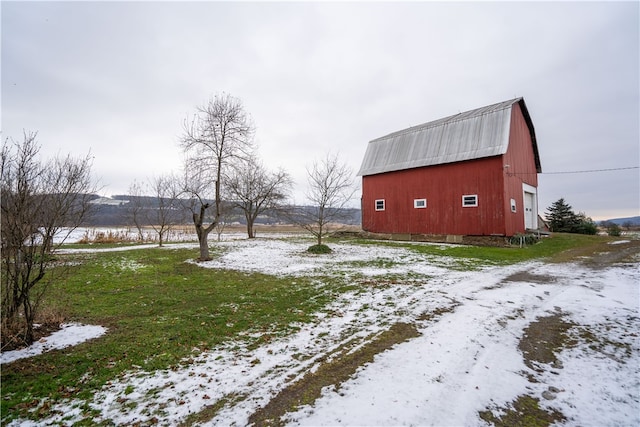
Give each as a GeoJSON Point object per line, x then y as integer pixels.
{"type": "Point", "coordinates": [473, 134]}
{"type": "Point", "coordinates": [465, 115]}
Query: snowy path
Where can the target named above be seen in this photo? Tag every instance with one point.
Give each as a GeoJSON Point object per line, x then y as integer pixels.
{"type": "Point", "coordinates": [466, 359]}
{"type": "Point", "coordinates": [469, 359]}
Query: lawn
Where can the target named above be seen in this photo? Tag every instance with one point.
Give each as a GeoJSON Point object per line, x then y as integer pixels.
{"type": "Point", "coordinates": [557, 247]}
{"type": "Point", "coordinates": [160, 307]}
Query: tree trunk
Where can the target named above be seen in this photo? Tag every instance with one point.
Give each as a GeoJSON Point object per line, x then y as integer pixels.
{"type": "Point", "coordinates": [203, 236]}
{"type": "Point", "coordinates": [28, 322]}
{"type": "Point", "coordinates": [203, 240]}
{"type": "Point", "coordinates": [203, 232]}
{"type": "Point", "coordinates": [250, 230]}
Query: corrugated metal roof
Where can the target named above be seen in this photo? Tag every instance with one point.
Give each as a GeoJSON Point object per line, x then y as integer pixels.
{"type": "Point", "coordinates": [483, 132]}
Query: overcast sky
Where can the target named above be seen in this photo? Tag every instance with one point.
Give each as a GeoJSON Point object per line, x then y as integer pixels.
{"type": "Point", "coordinates": [118, 79]}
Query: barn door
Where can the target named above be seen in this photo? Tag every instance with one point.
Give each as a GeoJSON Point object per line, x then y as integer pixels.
{"type": "Point", "coordinates": [530, 207]}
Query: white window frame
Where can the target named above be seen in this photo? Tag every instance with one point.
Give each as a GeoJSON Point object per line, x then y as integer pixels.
{"type": "Point", "coordinates": [420, 203]}
{"type": "Point", "coordinates": [513, 206]}
{"type": "Point", "coordinates": [468, 203]}
{"type": "Point", "coordinates": [376, 205]}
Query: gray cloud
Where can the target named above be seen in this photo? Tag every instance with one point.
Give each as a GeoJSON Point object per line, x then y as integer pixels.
{"type": "Point", "coordinates": [119, 78]}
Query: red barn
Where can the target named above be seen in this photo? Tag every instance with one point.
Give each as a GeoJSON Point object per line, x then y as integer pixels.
{"type": "Point", "coordinates": [473, 174]}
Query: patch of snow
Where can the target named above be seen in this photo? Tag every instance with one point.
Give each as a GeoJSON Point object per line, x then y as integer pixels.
{"type": "Point", "coordinates": [68, 335]}
{"type": "Point", "coordinates": [290, 258]}
{"type": "Point", "coordinates": [124, 265]}
{"type": "Point", "coordinates": [619, 242]}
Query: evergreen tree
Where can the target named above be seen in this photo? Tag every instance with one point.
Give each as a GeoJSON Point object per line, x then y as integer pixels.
{"type": "Point", "coordinates": [561, 217]}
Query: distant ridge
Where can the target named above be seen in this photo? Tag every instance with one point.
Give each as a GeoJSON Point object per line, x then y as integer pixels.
{"type": "Point", "coordinates": [114, 211]}
{"type": "Point", "coordinates": [633, 220]}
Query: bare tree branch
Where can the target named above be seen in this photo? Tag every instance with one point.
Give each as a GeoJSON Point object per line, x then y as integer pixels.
{"type": "Point", "coordinates": [219, 133]}
{"type": "Point", "coordinates": [157, 204]}
{"type": "Point", "coordinates": [39, 200]}
{"type": "Point", "coordinates": [254, 190]}
{"type": "Point", "coordinates": [330, 189]}
{"type": "Point", "coordinates": [135, 206]}
{"type": "Point", "coordinates": [167, 213]}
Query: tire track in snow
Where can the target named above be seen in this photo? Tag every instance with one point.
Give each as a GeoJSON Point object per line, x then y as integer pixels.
{"type": "Point", "coordinates": [469, 360]}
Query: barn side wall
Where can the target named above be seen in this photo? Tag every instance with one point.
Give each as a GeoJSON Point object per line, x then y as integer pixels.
{"type": "Point", "coordinates": [520, 168]}
{"type": "Point", "coordinates": [443, 187]}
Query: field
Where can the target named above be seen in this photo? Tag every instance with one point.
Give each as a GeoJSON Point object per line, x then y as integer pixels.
{"type": "Point", "coordinates": [375, 333]}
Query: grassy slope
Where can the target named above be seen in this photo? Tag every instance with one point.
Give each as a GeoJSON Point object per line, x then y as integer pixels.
{"type": "Point", "coordinates": [159, 307]}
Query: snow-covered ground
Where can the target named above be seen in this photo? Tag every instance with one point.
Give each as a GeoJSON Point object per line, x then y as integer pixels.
{"type": "Point", "coordinates": [465, 360]}
{"type": "Point", "coordinates": [69, 334]}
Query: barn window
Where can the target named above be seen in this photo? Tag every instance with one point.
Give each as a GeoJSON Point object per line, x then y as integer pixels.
{"type": "Point", "coordinates": [513, 205]}
{"type": "Point", "coordinates": [380, 204]}
{"type": "Point", "coordinates": [470, 200]}
{"type": "Point", "coordinates": [419, 203]}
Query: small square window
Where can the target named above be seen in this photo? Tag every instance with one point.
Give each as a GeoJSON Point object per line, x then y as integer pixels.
{"type": "Point", "coordinates": [380, 205]}
{"type": "Point", "coordinates": [513, 205]}
{"type": "Point", "coordinates": [470, 200]}
{"type": "Point", "coordinates": [420, 203]}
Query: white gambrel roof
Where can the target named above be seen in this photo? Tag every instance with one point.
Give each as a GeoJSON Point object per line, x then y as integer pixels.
{"type": "Point", "coordinates": [475, 134]}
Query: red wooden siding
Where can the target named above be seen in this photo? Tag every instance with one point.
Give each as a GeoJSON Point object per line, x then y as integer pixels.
{"type": "Point", "coordinates": [522, 169]}
{"type": "Point", "coordinates": [443, 187]}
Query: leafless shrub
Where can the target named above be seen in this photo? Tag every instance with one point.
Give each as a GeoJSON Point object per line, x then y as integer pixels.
{"type": "Point", "coordinates": [39, 200]}
{"type": "Point", "coordinates": [330, 190]}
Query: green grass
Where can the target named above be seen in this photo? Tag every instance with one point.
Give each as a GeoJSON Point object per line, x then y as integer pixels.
{"type": "Point", "coordinates": [554, 248]}
{"type": "Point", "coordinates": [157, 308]}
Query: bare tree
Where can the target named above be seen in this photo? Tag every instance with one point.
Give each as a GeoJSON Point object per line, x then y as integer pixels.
{"type": "Point", "coordinates": [223, 221]}
{"type": "Point", "coordinates": [167, 211]}
{"type": "Point", "coordinates": [39, 200]}
{"type": "Point", "coordinates": [156, 203]}
{"type": "Point", "coordinates": [199, 186]}
{"type": "Point", "coordinates": [218, 133]}
{"type": "Point", "coordinates": [330, 190]}
{"type": "Point", "coordinates": [135, 207]}
{"type": "Point", "coordinates": [254, 190]}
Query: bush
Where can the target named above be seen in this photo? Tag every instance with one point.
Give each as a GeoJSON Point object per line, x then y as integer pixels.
{"type": "Point", "coordinates": [523, 240]}
{"type": "Point", "coordinates": [586, 226]}
{"type": "Point", "coordinates": [108, 237]}
{"type": "Point", "coordinates": [319, 249]}
{"type": "Point", "coordinates": [613, 229]}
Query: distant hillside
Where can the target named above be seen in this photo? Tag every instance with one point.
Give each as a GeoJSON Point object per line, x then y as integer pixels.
{"type": "Point", "coordinates": [634, 221]}
{"type": "Point", "coordinates": [115, 211]}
